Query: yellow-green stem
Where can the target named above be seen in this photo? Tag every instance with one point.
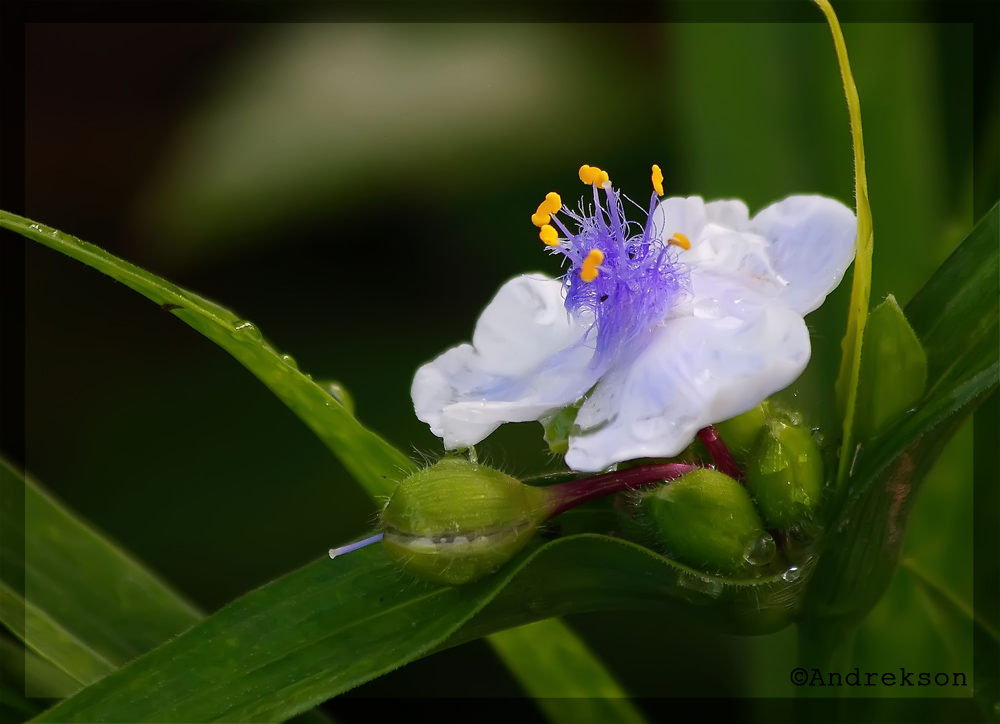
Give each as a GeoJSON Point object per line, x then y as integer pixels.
{"type": "Point", "coordinates": [850, 361]}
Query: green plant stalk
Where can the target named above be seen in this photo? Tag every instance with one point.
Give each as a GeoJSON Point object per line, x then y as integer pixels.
{"type": "Point", "coordinates": [850, 361]}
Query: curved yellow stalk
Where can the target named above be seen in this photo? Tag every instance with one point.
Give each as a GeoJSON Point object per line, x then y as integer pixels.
{"type": "Point", "coordinates": [850, 360]}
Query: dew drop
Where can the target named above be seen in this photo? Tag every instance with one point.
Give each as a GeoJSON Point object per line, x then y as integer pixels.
{"type": "Point", "coordinates": [290, 361]}
{"type": "Point", "coordinates": [700, 586]}
{"type": "Point", "coordinates": [708, 308]}
{"type": "Point", "coordinates": [249, 330]}
{"type": "Point", "coordinates": [791, 575]}
{"type": "Point", "coordinates": [760, 551]}
{"type": "Point", "coordinates": [338, 392]}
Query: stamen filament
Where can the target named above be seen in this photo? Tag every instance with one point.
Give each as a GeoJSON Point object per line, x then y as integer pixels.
{"type": "Point", "coordinates": [613, 211]}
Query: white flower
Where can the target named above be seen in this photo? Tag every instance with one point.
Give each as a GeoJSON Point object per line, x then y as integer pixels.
{"type": "Point", "coordinates": [688, 319]}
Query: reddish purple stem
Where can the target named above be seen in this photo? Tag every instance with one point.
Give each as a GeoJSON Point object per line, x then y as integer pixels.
{"type": "Point", "coordinates": [723, 460]}
{"type": "Point", "coordinates": [574, 493]}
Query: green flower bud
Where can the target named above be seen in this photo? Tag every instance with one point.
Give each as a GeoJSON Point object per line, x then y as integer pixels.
{"type": "Point", "coordinates": [785, 475]}
{"type": "Point", "coordinates": [707, 520]}
{"type": "Point", "coordinates": [741, 433]}
{"type": "Point", "coordinates": [456, 521]}
{"type": "Point", "coordinates": [893, 370]}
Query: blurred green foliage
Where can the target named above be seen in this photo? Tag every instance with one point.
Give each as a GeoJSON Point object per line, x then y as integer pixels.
{"type": "Point", "coordinates": [361, 192]}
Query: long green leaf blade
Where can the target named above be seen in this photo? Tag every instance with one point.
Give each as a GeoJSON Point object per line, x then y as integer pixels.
{"type": "Point", "coordinates": [78, 583]}
{"type": "Point", "coordinates": [956, 316]}
{"type": "Point", "coordinates": [375, 464]}
{"type": "Point", "coordinates": [283, 648]}
{"type": "Point", "coordinates": [51, 640]}
{"type": "Point", "coordinates": [850, 361]}
{"type": "Point", "coordinates": [564, 676]}
{"type": "Point", "coordinates": [333, 625]}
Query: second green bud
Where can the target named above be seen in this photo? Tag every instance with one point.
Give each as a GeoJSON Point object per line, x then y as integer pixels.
{"type": "Point", "coordinates": [785, 475]}
{"type": "Point", "coordinates": [707, 520]}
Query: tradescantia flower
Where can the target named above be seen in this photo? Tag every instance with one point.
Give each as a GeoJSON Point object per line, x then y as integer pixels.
{"type": "Point", "coordinates": [657, 329]}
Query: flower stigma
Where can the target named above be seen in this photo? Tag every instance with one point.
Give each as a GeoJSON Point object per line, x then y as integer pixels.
{"type": "Point", "coordinates": [622, 273]}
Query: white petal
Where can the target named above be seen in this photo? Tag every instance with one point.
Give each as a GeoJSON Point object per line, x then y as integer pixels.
{"type": "Point", "coordinates": [696, 371]}
{"type": "Point", "coordinates": [686, 215]}
{"type": "Point", "coordinates": [730, 213]}
{"type": "Point", "coordinates": [812, 244]}
{"type": "Point", "coordinates": [527, 359]}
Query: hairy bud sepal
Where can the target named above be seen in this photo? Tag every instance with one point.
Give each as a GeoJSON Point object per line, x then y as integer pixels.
{"type": "Point", "coordinates": [785, 475]}
{"type": "Point", "coordinates": [457, 521]}
{"type": "Point", "coordinates": [707, 520]}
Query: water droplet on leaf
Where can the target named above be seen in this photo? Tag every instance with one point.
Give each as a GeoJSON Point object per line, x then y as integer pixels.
{"type": "Point", "coordinates": [249, 330]}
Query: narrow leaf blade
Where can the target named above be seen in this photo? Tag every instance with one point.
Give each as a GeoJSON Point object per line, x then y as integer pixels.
{"type": "Point", "coordinates": [375, 464]}
{"type": "Point", "coordinates": [80, 584]}
{"type": "Point", "coordinates": [564, 676]}
{"type": "Point", "coordinates": [850, 361]}
{"type": "Point", "coordinates": [957, 319]}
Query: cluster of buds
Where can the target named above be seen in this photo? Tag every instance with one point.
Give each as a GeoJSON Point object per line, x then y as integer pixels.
{"type": "Point", "coordinates": [458, 520]}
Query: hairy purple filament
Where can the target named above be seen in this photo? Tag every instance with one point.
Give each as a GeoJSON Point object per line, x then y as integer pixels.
{"type": "Point", "coordinates": [639, 278]}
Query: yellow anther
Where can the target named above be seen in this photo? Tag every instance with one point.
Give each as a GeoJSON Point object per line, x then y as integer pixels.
{"type": "Point", "coordinates": [548, 235]}
{"type": "Point", "coordinates": [552, 203]}
{"type": "Point", "coordinates": [593, 175]}
{"type": "Point", "coordinates": [657, 180]}
{"type": "Point", "coordinates": [678, 239]}
{"type": "Point", "coordinates": [589, 271]}
{"type": "Point", "coordinates": [540, 218]}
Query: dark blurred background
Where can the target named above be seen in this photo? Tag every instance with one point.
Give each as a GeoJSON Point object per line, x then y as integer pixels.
{"type": "Point", "coordinates": [360, 191]}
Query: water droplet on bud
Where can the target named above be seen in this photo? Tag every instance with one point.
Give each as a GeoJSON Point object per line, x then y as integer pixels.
{"type": "Point", "coordinates": [761, 551]}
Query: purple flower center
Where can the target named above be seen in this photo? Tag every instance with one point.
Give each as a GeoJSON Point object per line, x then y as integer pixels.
{"type": "Point", "coordinates": [638, 275]}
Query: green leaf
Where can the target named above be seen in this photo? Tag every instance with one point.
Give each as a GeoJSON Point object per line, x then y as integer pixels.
{"type": "Point", "coordinates": [563, 675]}
{"type": "Point", "coordinates": [33, 676]}
{"type": "Point", "coordinates": [88, 607]}
{"type": "Point", "coordinates": [52, 640]}
{"type": "Point", "coordinates": [953, 616]}
{"type": "Point", "coordinates": [956, 317]}
{"type": "Point", "coordinates": [333, 625]}
{"type": "Point", "coordinates": [375, 464]}
{"type": "Point", "coordinates": [893, 370]}
{"type": "Point", "coordinates": [850, 361]}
